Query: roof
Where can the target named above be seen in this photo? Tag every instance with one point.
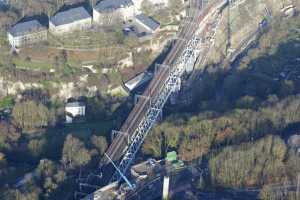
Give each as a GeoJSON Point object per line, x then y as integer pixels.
{"type": "Point", "coordinates": [24, 28]}
{"type": "Point", "coordinates": [147, 21]}
{"type": "Point", "coordinates": [138, 80]}
{"type": "Point", "coordinates": [70, 16]}
{"type": "Point", "coordinates": [109, 5]}
{"type": "Point", "coordinates": [75, 104]}
{"type": "Point", "coordinates": [171, 156]}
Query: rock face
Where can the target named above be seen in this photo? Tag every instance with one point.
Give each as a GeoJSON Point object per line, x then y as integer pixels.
{"type": "Point", "coordinates": [67, 90]}
{"type": "Point", "coordinates": [13, 88]}
{"type": "Point", "coordinates": [75, 89]}
{"type": "Point", "coordinates": [63, 91]}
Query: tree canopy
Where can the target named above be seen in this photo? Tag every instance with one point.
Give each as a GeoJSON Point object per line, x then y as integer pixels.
{"type": "Point", "coordinates": [30, 115]}
{"type": "Point", "coordinates": [74, 153]}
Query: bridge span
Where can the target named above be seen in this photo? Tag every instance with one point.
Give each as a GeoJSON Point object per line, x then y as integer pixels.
{"type": "Point", "coordinates": [185, 52]}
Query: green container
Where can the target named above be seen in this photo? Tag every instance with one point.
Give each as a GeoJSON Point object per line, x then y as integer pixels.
{"type": "Point", "coordinates": [171, 156]}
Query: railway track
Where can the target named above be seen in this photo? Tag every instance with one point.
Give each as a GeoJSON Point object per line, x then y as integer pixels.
{"type": "Point", "coordinates": [119, 144]}
{"type": "Point", "coordinates": [153, 89]}
{"type": "Point", "coordinates": [145, 112]}
{"type": "Point", "coordinates": [136, 119]}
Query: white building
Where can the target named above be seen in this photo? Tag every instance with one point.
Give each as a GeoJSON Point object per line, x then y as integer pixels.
{"type": "Point", "coordinates": [108, 11]}
{"type": "Point", "coordinates": [70, 20]}
{"type": "Point", "coordinates": [74, 109]}
{"type": "Point", "coordinates": [24, 33]}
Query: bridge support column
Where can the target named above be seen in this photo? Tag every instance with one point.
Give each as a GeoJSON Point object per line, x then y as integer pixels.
{"type": "Point", "coordinates": [166, 187]}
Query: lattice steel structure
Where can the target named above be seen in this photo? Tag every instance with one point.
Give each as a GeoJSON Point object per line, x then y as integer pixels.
{"type": "Point", "coordinates": [187, 58]}
{"type": "Point", "coordinates": [149, 107]}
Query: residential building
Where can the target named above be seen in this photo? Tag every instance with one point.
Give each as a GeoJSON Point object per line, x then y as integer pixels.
{"type": "Point", "coordinates": [73, 110]}
{"type": "Point", "coordinates": [108, 11]}
{"type": "Point", "coordinates": [70, 20]}
{"type": "Point", "coordinates": [24, 33]}
{"type": "Point", "coordinates": [147, 23]}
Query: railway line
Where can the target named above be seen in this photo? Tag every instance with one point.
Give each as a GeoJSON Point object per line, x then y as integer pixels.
{"type": "Point", "coordinates": [131, 129]}
{"type": "Point", "coordinates": [119, 144]}
{"type": "Point", "coordinates": [184, 52]}
{"type": "Point", "coordinates": [127, 130]}
{"type": "Point", "coordinates": [146, 111]}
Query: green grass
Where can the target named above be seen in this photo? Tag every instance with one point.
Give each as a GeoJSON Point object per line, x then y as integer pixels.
{"type": "Point", "coordinates": [3, 39]}
{"type": "Point", "coordinates": [115, 78]}
{"type": "Point", "coordinates": [84, 130]}
{"type": "Point", "coordinates": [7, 102]}
{"type": "Point", "coordinates": [83, 39]}
{"type": "Point", "coordinates": [31, 65]}
{"type": "Point", "coordinates": [163, 17]}
{"type": "Point", "coordinates": [45, 83]}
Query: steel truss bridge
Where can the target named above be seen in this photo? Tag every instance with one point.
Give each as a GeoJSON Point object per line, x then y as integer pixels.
{"type": "Point", "coordinates": [185, 51]}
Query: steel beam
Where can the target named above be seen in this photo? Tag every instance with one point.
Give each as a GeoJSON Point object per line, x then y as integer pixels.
{"type": "Point", "coordinates": [188, 56]}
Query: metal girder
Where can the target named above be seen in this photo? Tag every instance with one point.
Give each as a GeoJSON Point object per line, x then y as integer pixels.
{"type": "Point", "coordinates": [131, 186]}
{"type": "Point", "coordinates": [188, 56]}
